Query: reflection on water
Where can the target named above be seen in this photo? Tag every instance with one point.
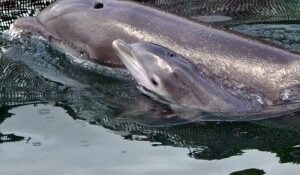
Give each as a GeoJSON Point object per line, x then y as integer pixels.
{"type": "Point", "coordinates": [64, 145]}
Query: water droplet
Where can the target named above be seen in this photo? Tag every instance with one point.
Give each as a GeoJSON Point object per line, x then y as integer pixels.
{"type": "Point", "coordinates": [49, 119]}
{"type": "Point", "coordinates": [285, 94]}
{"type": "Point", "coordinates": [36, 143]}
{"type": "Point", "coordinates": [81, 123]}
{"type": "Point", "coordinates": [84, 143]}
{"type": "Point", "coordinates": [259, 99]}
{"type": "Point", "coordinates": [44, 111]}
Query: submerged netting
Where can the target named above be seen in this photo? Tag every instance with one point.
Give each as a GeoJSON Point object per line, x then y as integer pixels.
{"type": "Point", "coordinates": [239, 11]}
{"type": "Point", "coordinates": [13, 9]}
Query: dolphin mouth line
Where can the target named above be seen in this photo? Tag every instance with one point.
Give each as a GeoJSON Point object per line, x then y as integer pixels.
{"type": "Point", "coordinates": [156, 96]}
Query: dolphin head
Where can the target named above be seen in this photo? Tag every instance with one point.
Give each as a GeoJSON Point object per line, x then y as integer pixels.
{"type": "Point", "coordinates": [153, 67]}
{"type": "Point", "coordinates": [169, 75]}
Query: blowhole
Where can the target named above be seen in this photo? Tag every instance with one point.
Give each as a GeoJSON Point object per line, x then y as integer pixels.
{"type": "Point", "coordinates": [154, 82]}
{"type": "Point", "coordinates": [98, 5]}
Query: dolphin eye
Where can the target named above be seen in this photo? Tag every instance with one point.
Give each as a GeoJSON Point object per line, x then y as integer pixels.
{"type": "Point", "coordinates": [98, 5]}
{"type": "Point", "coordinates": [171, 54]}
{"type": "Point", "coordinates": [154, 82]}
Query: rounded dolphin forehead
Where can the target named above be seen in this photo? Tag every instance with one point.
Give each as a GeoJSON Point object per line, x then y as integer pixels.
{"type": "Point", "coordinates": [150, 47]}
{"type": "Point", "coordinates": [157, 61]}
{"type": "Point", "coordinates": [163, 64]}
{"type": "Point", "coordinates": [160, 52]}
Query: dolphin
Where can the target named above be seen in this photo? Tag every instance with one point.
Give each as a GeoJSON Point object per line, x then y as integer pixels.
{"type": "Point", "coordinates": [168, 74]}
{"type": "Point", "coordinates": [241, 64]}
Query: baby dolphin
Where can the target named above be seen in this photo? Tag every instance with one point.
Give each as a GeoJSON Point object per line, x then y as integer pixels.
{"type": "Point", "coordinates": [169, 75]}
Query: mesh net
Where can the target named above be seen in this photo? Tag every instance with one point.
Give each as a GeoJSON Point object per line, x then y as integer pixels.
{"type": "Point", "coordinates": [13, 9]}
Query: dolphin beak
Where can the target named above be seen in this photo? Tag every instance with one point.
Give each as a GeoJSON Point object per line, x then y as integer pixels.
{"type": "Point", "coordinates": [127, 55]}
{"type": "Point", "coordinates": [122, 48]}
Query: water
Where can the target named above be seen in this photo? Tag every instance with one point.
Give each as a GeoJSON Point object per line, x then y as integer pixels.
{"type": "Point", "coordinates": [56, 143]}
{"type": "Point", "coordinates": [64, 115]}
{"type": "Point", "coordinates": [286, 35]}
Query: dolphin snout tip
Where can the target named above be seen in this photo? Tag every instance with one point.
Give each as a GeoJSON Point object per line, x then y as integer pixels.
{"type": "Point", "coordinates": [12, 26]}
{"type": "Point", "coordinates": [118, 43]}
{"type": "Point", "coordinates": [122, 47]}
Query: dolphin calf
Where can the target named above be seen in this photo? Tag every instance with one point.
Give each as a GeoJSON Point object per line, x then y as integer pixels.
{"type": "Point", "coordinates": [170, 75]}
{"type": "Point", "coordinates": [174, 78]}
{"type": "Point", "coordinates": [269, 74]}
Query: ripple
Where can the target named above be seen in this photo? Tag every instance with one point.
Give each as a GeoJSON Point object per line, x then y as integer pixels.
{"type": "Point", "coordinates": [44, 111]}
{"type": "Point", "coordinates": [37, 143]}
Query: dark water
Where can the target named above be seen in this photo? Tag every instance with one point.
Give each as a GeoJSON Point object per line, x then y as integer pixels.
{"type": "Point", "coordinates": [64, 115]}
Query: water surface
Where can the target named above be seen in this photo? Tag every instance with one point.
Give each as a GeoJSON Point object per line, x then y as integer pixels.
{"type": "Point", "coordinates": [55, 143]}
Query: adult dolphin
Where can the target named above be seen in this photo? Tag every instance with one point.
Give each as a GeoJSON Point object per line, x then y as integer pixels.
{"type": "Point", "coordinates": [239, 63]}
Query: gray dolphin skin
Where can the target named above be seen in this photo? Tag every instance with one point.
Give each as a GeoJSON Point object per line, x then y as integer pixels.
{"type": "Point", "coordinates": [258, 72]}
{"type": "Point", "coordinates": [171, 76]}
{"type": "Point", "coordinates": [168, 74]}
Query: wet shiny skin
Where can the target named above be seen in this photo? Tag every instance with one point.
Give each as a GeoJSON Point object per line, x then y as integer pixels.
{"type": "Point", "coordinates": [170, 75]}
